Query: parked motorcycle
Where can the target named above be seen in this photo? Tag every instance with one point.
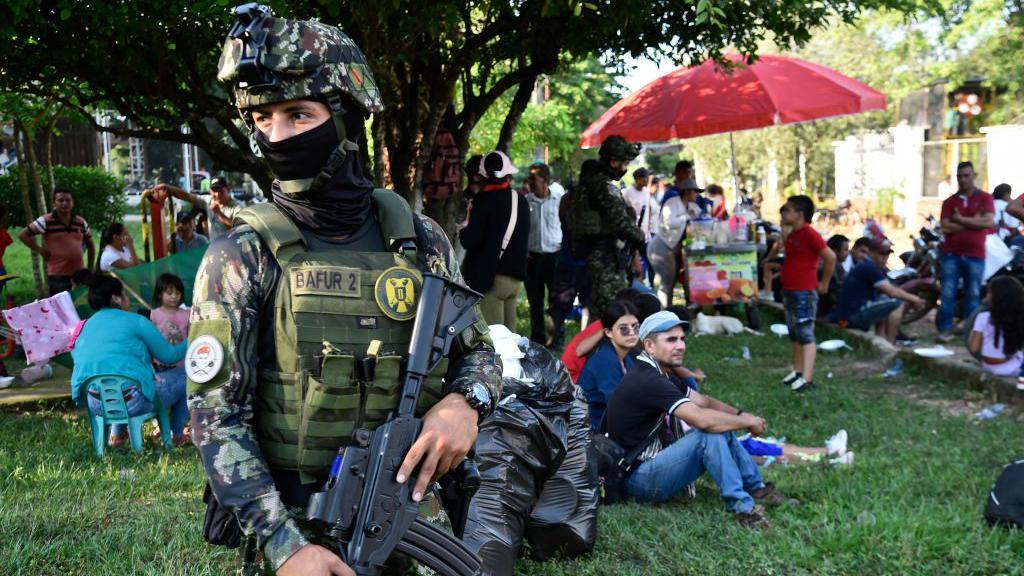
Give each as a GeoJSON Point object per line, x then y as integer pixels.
{"type": "Point", "coordinates": [919, 274]}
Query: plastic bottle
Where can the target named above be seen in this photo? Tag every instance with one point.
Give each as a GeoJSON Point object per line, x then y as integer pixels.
{"type": "Point", "coordinates": [34, 372]}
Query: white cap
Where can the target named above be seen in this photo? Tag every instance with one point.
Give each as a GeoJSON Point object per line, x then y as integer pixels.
{"type": "Point", "coordinates": [496, 164]}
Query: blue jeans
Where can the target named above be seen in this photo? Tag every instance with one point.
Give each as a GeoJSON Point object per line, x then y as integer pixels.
{"type": "Point", "coordinates": [953, 269]}
{"type": "Point", "coordinates": [170, 387]}
{"type": "Point", "coordinates": [801, 308]}
{"type": "Point", "coordinates": [674, 468]}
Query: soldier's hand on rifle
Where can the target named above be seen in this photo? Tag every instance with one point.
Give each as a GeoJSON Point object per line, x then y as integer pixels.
{"type": "Point", "coordinates": [44, 252]}
{"type": "Point", "coordinates": [313, 560]}
{"type": "Point", "coordinates": [449, 432]}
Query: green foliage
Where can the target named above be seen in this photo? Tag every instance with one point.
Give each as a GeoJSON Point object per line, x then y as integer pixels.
{"type": "Point", "coordinates": [99, 197]}
{"type": "Point", "coordinates": [579, 92]}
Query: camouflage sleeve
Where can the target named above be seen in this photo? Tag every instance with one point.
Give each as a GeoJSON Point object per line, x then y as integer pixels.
{"type": "Point", "coordinates": [235, 274]}
{"type": "Point", "coordinates": [473, 358]}
{"type": "Point", "coordinates": [621, 216]}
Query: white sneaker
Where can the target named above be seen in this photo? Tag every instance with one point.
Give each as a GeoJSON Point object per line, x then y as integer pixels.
{"type": "Point", "coordinates": [837, 443]}
{"type": "Point", "coordinates": [799, 384]}
{"type": "Point", "coordinates": [1020, 383]}
{"type": "Point", "coordinates": [844, 460]}
{"type": "Point", "coordinates": [790, 378]}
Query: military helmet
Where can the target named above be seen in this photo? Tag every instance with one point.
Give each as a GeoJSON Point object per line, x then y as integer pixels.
{"type": "Point", "coordinates": [616, 147]}
{"type": "Point", "coordinates": [266, 59]}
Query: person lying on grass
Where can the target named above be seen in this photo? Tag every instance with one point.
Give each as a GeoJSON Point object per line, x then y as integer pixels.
{"type": "Point", "coordinates": [763, 450]}
{"type": "Point", "coordinates": [641, 402]}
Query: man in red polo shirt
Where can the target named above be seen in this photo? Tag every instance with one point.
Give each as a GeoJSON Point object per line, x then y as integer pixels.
{"type": "Point", "coordinates": [966, 219]}
{"type": "Point", "coordinates": [64, 235]}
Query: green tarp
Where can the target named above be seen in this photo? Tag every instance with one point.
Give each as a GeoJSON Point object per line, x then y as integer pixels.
{"type": "Point", "coordinates": [141, 279]}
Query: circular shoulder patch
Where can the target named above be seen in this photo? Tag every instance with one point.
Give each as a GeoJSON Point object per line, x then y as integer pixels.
{"type": "Point", "coordinates": [396, 292]}
{"type": "Point", "coordinates": [204, 358]}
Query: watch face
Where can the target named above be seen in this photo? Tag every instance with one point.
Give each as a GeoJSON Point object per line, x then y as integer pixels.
{"type": "Point", "coordinates": [481, 394]}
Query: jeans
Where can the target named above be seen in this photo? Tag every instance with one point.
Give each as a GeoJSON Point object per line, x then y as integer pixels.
{"type": "Point", "coordinates": [953, 269]}
{"type": "Point", "coordinates": [674, 468]}
{"type": "Point", "coordinates": [170, 387]}
{"type": "Point", "coordinates": [801, 308]}
{"type": "Point", "coordinates": [540, 276]}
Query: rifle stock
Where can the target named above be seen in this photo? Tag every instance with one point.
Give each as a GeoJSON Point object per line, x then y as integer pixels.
{"type": "Point", "coordinates": [366, 510]}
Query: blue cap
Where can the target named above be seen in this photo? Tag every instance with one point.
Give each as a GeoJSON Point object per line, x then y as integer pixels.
{"type": "Point", "coordinates": [659, 322]}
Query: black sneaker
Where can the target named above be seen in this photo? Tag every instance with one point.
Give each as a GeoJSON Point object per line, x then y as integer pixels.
{"type": "Point", "coordinates": [793, 376]}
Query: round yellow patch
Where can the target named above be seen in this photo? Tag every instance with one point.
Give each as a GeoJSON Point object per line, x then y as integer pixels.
{"type": "Point", "coordinates": [396, 292]}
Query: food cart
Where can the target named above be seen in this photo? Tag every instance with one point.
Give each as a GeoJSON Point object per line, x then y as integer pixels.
{"type": "Point", "coordinates": [721, 275]}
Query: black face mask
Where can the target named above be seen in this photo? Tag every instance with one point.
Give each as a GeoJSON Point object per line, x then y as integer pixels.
{"type": "Point", "coordinates": [301, 156]}
{"type": "Point", "coordinates": [338, 207]}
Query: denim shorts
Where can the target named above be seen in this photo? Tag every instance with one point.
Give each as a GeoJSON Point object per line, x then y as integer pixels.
{"type": "Point", "coordinates": [872, 313]}
{"type": "Point", "coordinates": [801, 309]}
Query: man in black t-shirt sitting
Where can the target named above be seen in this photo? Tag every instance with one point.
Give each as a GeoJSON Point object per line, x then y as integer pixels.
{"type": "Point", "coordinates": [640, 403]}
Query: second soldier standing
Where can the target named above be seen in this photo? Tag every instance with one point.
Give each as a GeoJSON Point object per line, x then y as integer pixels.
{"type": "Point", "coordinates": [603, 225]}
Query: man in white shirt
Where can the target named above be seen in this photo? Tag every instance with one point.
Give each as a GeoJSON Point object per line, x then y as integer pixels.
{"type": "Point", "coordinates": [545, 242]}
{"type": "Point", "coordinates": [1006, 224]}
{"type": "Point", "coordinates": [639, 197]}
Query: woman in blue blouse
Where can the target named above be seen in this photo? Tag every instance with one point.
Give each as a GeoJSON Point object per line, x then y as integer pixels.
{"type": "Point", "coordinates": [115, 341]}
{"type": "Point", "coordinates": [613, 357]}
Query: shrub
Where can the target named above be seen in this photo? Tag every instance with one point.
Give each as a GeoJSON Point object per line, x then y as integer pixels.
{"type": "Point", "coordinates": [99, 197]}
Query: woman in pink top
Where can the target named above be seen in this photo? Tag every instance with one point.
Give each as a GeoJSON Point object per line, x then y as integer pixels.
{"type": "Point", "coordinates": [171, 319]}
{"type": "Point", "coordinates": [997, 337]}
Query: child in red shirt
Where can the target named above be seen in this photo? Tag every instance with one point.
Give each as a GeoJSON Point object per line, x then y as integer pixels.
{"type": "Point", "coordinates": [800, 287]}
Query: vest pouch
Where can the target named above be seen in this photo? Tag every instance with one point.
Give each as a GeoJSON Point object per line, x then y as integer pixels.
{"type": "Point", "coordinates": [384, 391]}
{"type": "Point", "coordinates": [329, 414]}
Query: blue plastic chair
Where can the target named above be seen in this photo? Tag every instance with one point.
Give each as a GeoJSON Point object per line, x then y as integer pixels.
{"type": "Point", "coordinates": [115, 411]}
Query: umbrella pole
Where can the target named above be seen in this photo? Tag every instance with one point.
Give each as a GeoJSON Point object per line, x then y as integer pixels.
{"type": "Point", "coordinates": [735, 177]}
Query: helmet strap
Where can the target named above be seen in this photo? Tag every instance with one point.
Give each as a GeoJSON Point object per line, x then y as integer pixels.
{"type": "Point", "coordinates": [336, 158]}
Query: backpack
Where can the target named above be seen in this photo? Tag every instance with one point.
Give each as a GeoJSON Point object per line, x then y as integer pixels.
{"type": "Point", "coordinates": [444, 177]}
{"type": "Point", "coordinates": [1006, 500]}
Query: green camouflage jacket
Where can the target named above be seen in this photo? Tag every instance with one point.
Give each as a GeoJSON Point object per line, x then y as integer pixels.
{"type": "Point", "coordinates": [236, 282]}
{"type": "Point", "coordinates": [602, 199]}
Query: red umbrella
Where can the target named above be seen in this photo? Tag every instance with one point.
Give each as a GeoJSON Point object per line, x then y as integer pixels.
{"type": "Point", "coordinates": [704, 100]}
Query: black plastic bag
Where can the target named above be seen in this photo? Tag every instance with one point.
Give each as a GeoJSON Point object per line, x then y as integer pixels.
{"type": "Point", "coordinates": [564, 520]}
{"type": "Point", "coordinates": [516, 451]}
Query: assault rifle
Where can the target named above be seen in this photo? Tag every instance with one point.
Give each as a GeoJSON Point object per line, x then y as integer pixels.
{"type": "Point", "coordinates": [368, 513]}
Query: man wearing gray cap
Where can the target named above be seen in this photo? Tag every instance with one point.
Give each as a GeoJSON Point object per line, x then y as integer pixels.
{"type": "Point", "coordinates": [646, 395]}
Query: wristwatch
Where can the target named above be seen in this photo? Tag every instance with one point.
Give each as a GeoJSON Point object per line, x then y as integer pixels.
{"type": "Point", "coordinates": [477, 395]}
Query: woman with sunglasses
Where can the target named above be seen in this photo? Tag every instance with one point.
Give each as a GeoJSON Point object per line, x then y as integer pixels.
{"type": "Point", "coordinates": [612, 358]}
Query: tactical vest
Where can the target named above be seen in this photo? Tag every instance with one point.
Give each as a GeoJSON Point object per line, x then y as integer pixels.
{"type": "Point", "coordinates": [587, 219]}
{"type": "Point", "coordinates": [328, 307]}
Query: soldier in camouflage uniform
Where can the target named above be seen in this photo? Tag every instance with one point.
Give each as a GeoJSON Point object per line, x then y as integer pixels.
{"type": "Point", "coordinates": [603, 223]}
{"type": "Point", "coordinates": [286, 305]}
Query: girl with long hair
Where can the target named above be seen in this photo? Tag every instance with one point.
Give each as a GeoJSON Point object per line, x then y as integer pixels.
{"type": "Point", "coordinates": [116, 249]}
{"type": "Point", "coordinates": [612, 358]}
{"type": "Point", "coordinates": [997, 338]}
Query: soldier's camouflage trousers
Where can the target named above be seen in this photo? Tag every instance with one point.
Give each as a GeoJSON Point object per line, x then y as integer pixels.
{"type": "Point", "coordinates": [607, 278]}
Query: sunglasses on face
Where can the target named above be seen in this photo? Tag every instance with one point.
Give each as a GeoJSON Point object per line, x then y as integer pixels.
{"type": "Point", "coordinates": [629, 330]}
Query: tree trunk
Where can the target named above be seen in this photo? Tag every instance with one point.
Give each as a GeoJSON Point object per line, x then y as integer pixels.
{"type": "Point", "coordinates": [515, 112]}
{"type": "Point", "coordinates": [48, 149]}
{"type": "Point", "coordinates": [26, 204]}
{"type": "Point", "coordinates": [33, 165]}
